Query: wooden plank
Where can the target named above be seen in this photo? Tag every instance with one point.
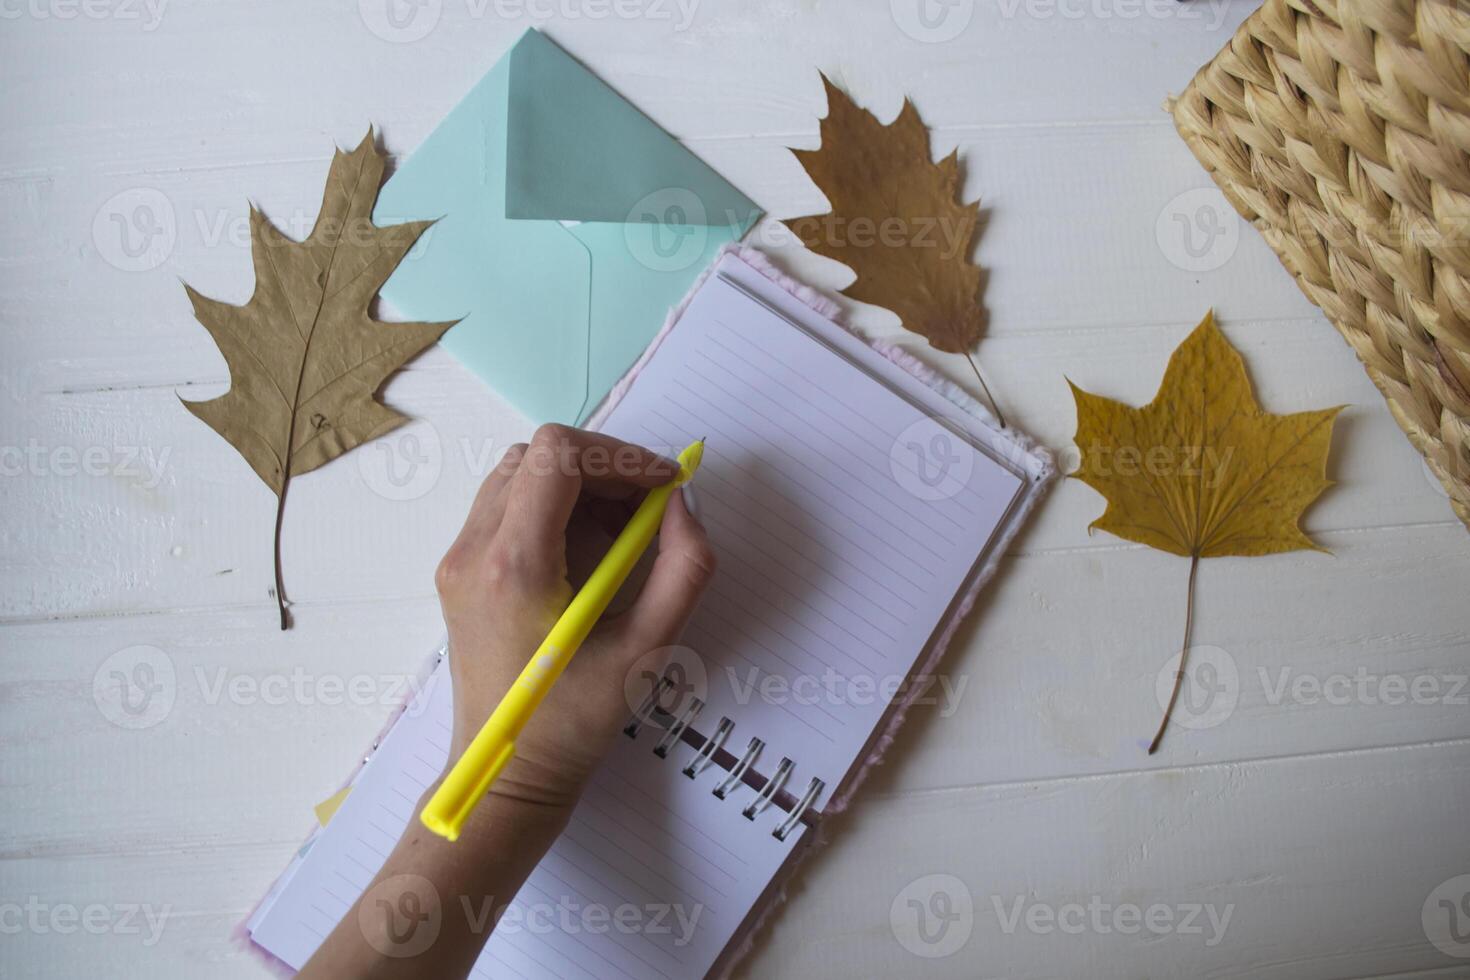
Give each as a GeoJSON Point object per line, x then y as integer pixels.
{"type": "Point", "coordinates": [1283, 843]}
{"type": "Point", "coordinates": [725, 74]}
{"type": "Point", "coordinates": [1277, 846]}
{"type": "Point", "coordinates": [162, 488]}
{"type": "Point", "coordinates": [236, 731]}
{"type": "Point", "coordinates": [1069, 248]}
{"type": "Point", "coordinates": [1056, 678]}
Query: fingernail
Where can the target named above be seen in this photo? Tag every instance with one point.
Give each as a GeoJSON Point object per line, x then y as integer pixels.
{"type": "Point", "coordinates": [691, 500]}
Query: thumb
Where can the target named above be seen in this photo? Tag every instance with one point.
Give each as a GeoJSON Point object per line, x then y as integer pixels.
{"type": "Point", "coordinates": [683, 569]}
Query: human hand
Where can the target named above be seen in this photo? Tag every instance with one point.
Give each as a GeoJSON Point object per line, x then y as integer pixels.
{"type": "Point", "coordinates": [541, 520]}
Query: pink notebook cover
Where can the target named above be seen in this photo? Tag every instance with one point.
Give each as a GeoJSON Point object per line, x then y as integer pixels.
{"type": "Point", "coordinates": [741, 275]}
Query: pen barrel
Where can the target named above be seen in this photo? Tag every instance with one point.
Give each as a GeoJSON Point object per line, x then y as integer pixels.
{"type": "Point", "coordinates": [467, 782]}
{"type": "Point", "coordinates": [494, 745]}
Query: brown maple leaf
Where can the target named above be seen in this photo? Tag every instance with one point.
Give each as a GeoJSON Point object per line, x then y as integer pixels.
{"type": "Point", "coordinates": [896, 220]}
{"type": "Point", "coordinates": [305, 356]}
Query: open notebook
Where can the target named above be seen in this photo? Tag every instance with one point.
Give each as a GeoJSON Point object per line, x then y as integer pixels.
{"type": "Point", "coordinates": [853, 508]}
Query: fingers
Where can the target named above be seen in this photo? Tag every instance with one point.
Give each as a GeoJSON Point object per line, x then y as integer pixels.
{"type": "Point", "coordinates": [559, 463]}
{"type": "Point", "coordinates": [459, 567]}
{"type": "Point", "coordinates": [488, 508]}
{"type": "Point", "coordinates": [684, 568]}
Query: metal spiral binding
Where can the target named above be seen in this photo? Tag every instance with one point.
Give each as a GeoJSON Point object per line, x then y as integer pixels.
{"type": "Point", "coordinates": [645, 710]}
{"type": "Point", "coordinates": [813, 788]}
{"type": "Point", "coordinates": [706, 753]}
{"type": "Point", "coordinates": [671, 737]}
{"type": "Point", "coordinates": [752, 751]}
{"type": "Point", "coordinates": [768, 792]}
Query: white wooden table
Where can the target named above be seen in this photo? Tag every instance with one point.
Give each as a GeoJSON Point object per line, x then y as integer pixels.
{"type": "Point", "coordinates": [1319, 802]}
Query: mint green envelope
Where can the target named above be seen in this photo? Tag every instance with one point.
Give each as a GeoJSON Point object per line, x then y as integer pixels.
{"type": "Point", "coordinates": [569, 224]}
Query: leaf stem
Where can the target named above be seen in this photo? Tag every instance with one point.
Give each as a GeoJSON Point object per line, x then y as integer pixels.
{"type": "Point", "coordinates": [1183, 655]}
{"type": "Point", "coordinates": [994, 405]}
{"type": "Point", "coordinates": [280, 587]}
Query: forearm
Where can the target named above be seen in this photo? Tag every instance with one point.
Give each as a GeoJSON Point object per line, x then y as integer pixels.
{"type": "Point", "coordinates": [430, 909]}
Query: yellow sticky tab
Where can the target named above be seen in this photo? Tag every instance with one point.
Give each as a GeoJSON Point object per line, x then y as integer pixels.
{"type": "Point", "coordinates": [328, 807]}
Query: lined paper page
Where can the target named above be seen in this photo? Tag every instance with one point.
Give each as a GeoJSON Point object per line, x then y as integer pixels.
{"type": "Point", "coordinates": [650, 880]}
{"type": "Point", "coordinates": [844, 518]}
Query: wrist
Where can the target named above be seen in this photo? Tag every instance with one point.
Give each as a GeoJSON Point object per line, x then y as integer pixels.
{"type": "Point", "coordinates": [507, 819]}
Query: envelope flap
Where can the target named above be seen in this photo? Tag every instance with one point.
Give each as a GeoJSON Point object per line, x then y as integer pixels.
{"type": "Point", "coordinates": [578, 151]}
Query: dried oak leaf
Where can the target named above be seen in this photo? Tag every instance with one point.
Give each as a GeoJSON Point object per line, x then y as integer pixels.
{"type": "Point", "coordinates": [306, 359]}
{"type": "Point", "coordinates": [1201, 470]}
{"type": "Point", "coordinates": [896, 221]}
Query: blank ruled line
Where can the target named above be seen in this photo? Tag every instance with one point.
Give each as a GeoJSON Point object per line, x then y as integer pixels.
{"type": "Point", "coordinates": [709, 472]}
{"type": "Point", "coordinates": [552, 855]}
{"type": "Point", "coordinates": [579, 893]}
{"type": "Point", "coordinates": [352, 884]}
{"type": "Point", "coordinates": [607, 836]}
{"type": "Point", "coordinates": [796, 393]}
{"type": "Point", "coordinates": [750, 614]}
{"type": "Point", "coordinates": [810, 494]}
{"type": "Point", "coordinates": [372, 871]}
{"type": "Point", "coordinates": [654, 897]}
{"type": "Point", "coordinates": [643, 938]}
{"type": "Point", "coordinates": [391, 835]}
{"type": "Point", "coordinates": [753, 614]}
{"type": "Point", "coordinates": [376, 850]}
{"type": "Point", "coordinates": [894, 551]}
{"type": "Point", "coordinates": [657, 895]}
{"type": "Point", "coordinates": [804, 465]}
{"type": "Point", "coordinates": [617, 849]}
{"type": "Point", "coordinates": [815, 450]}
{"type": "Point", "coordinates": [767, 581]}
{"type": "Point", "coordinates": [401, 817]}
{"type": "Point", "coordinates": [503, 937]}
{"type": "Point", "coordinates": [850, 410]}
{"type": "Point", "coordinates": [782, 563]}
{"type": "Point", "coordinates": [588, 802]}
{"type": "Point", "coordinates": [801, 465]}
{"type": "Point", "coordinates": [541, 941]}
{"type": "Point", "coordinates": [706, 491]}
{"type": "Point", "coordinates": [597, 954]}
{"type": "Point", "coordinates": [531, 883]}
{"type": "Point", "coordinates": [613, 789]}
{"type": "Point", "coordinates": [496, 956]}
{"type": "Point", "coordinates": [767, 602]}
{"type": "Point", "coordinates": [797, 716]}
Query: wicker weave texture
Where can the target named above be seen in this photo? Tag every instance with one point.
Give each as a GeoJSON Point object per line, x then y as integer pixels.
{"type": "Point", "coordinates": [1342, 132]}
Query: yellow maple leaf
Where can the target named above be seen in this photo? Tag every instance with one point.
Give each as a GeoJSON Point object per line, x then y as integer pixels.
{"type": "Point", "coordinates": [896, 220]}
{"type": "Point", "coordinates": [1201, 471]}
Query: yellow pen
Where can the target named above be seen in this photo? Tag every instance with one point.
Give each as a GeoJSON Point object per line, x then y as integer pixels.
{"type": "Point", "coordinates": [493, 747]}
